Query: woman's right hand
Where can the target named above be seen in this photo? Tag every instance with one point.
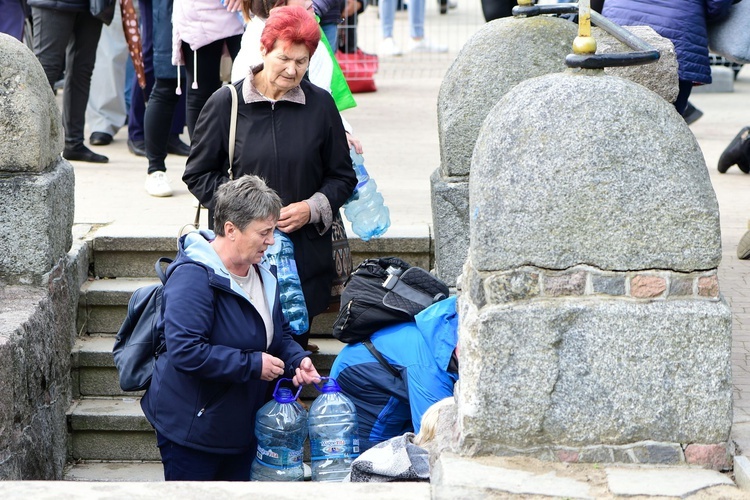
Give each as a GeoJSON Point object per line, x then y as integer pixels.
{"type": "Point", "coordinates": [273, 367]}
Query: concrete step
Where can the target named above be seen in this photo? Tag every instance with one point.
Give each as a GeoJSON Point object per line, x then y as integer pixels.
{"type": "Point", "coordinates": [126, 471]}
{"type": "Point", "coordinates": [94, 373]}
{"type": "Point", "coordinates": [103, 304]}
{"type": "Point", "coordinates": [131, 251]}
{"type": "Point", "coordinates": [111, 429]}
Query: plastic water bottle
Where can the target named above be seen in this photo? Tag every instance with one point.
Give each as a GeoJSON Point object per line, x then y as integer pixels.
{"type": "Point", "coordinates": [334, 434]}
{"type": "Point", "coordinates": [370, 218]}
{"type": "Point", "coordinates": [281, 254]}
{"type": "Point", "coordinates": [281, 429]}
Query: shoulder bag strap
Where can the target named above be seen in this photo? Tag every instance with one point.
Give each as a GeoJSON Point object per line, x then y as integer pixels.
{"type": "Point", "coordinates": [232, 128]}
{"type": "Point", "coordinates": [381, 359]}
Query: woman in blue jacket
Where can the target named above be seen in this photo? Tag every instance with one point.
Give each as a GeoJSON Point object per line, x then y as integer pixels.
{"type": "Point", "coordinates": [684, 23]}
{"type": "Point", "coordinates": [226, 339]}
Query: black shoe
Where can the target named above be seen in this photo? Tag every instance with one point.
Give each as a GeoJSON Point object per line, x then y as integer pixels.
{"type": "Point", "coordinates": [100, 139]}
{"type": "Point", "coordinates": [176, 147]}
{"type": "Point", "coordinates": [138, 148]}
{"type": "Point", "coordinates": [82, 153]}
{"type": "Point", "coordinates": [737, 153]}
{"type": "Point", "coordinates": [691, 114]}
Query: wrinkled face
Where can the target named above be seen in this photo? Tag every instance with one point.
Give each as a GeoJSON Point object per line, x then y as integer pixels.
{"type": "Point", "coordinates": [250, 245]}
{"type": "Point", "coordinates": [285, 65]}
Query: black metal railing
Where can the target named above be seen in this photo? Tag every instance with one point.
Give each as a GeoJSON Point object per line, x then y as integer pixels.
{"type": "Point", "coordinates": [643, 53]}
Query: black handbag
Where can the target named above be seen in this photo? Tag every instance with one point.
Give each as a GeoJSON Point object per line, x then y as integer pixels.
{"type": "Point", "coordinates": [104, 10]}
{"type": "Point", "coordinates": [383, 292]}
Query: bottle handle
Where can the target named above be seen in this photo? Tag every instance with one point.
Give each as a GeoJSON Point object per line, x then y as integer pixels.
{"type": "Point", "coordinates": [276, 389]}
{"type": "Point", "coordinates": [320, 387]}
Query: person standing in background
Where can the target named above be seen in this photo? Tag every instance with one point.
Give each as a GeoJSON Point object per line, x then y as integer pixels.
{"type": "Point", "coordinates": [106, 112]}
{"type": "Point", "coordinates": [684, 23]}
{"type": "Point", "coordinates": [329, 12]}
{"type": "Point", "coordinates": [66, 36]}
{"type": "Point", "coordinates": [418, 42]}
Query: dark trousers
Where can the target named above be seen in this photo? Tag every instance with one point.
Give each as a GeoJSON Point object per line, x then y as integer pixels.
{"type": "Point", "coordinates": [686, 87]}
{"type": "Point", "coordinates": [206, 73]}
{"type": "Point", "coordinates": [137, 112]}
{"type": "Point", "coordinates": [160, 112]}
{"type": "Point", "coordinates": [186, 464]}
{"type": "Point", "coordinates": [68, 40]}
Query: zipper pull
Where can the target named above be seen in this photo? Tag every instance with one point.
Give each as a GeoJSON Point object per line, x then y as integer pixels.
{"type": "Point", "coordinates": [201, 411]}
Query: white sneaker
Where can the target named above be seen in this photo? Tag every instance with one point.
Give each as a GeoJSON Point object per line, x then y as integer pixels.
{"type": "Point", "coordinates": [426, 45]}
{"type": "Point", "coordinates": [157, 184]}
{"type": "Point", "coordinates": [389, 47]}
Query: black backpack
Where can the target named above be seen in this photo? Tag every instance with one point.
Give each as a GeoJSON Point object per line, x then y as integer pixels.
{"type": "Point", "coordinates": [140, 340]}
{"type": "Point", "coordinates": [383, 292]}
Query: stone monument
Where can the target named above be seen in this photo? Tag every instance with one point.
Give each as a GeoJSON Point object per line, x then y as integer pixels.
{"type": "Point", "coordinates": [592, 324]}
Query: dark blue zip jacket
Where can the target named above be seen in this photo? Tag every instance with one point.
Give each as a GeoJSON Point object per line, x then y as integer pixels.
{"type": "Point", "coordinates": [681, 21]}
{"type": "Point", "coordinates": [206, 388]}
{"type": "Point", "coordinates": [421, 351]}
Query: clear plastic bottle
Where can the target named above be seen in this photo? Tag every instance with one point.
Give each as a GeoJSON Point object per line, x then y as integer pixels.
{"type": "Point", "coordinates": [281, 255]}
{"type": "Point", "coordinates": [281, 430]}
{"type": "Point", "coordinates": [370, 218]}
{"type": "Point", "coordinates": [334, 434]}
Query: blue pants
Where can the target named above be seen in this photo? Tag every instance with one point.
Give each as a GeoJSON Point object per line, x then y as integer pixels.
{"type": "Point", "coordinates": [186, 464]}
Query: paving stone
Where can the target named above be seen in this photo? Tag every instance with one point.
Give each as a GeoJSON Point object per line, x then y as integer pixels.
{"type": "Point", "coordinates": [668, 481]}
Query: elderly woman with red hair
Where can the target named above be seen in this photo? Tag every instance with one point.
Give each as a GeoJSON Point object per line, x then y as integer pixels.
{"type": "Point", "coordinates": [289, 132]}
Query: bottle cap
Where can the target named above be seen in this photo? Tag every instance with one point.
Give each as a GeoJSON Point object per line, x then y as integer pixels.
{"type": "Point", "coordinates": [329, 386]}
{"type": "Point", "coordinates": [285, 395]}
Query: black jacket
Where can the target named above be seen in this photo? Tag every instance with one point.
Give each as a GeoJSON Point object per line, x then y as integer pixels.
{"type": "Point", "coordinates": [299, 149]}
{"type": "Point", "coordinates": [69, 5]}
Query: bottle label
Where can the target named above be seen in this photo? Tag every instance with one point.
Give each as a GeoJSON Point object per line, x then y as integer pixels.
{"type": "Point", "coordinates": [278, 457]}
{"type": "Point", "coordinates": [321, 449]}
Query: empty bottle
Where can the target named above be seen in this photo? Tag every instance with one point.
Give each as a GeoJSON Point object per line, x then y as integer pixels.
{"type": "Point", "coordinates": [334, 434]}
{"type": "Point", "coordinates": [281, 429]}
{"type": "Point", "coordinates": [281, 255]}
{"type": "Point", "coordinates": [370, 218]}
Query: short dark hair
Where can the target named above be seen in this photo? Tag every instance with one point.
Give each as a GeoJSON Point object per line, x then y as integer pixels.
{"type": "Point", "coordinates": [244, 200]}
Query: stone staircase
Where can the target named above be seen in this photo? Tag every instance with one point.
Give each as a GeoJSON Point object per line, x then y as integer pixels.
{"type": "Point", "coordinates": [110, 439]}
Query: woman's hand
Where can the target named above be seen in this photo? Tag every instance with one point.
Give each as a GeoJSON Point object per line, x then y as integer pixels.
{"type": "Point", "coordinates": [306, 373]}
{"type": "Point", "coordinates": [294, 216]}
{"type": "Point", "coordinates": [233, 5]}
{"type": "Point", "coordinates": [354, 143]}
{"type": "Point", "coordinates": [272, 367]}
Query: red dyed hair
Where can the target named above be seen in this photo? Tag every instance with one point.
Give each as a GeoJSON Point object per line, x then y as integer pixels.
{"type": "Point", "coordinates": [291, 25]}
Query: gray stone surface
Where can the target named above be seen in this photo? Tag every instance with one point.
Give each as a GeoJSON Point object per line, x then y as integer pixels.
{"type": "Point", "coordinates": [599, 171]}
{"type": "Point", "coordinates": [450, 215]}
{"type": "Point", "coordinates": [30, 124]}
{"type": "Point", "coordinates": [660, 76]}
{"type": "Point", "coordinates": [37, 210]}
{"type": "Point", "coordinates": [49, 490]}
{"type": "Point", "coordinates": [667, 482]}
{"type": "Point", "coordinates": [499, 56]}
{"type": "Point", "coordinates": [460, 477]}
{"type": "Point", "coordinates": [742, 472]}
{"type": "Point", "coordinates": [37, 329]}
{"type": "Point", "coordinates": [596, 371]}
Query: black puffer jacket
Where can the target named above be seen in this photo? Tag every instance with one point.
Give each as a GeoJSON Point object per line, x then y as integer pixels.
{"type": "Point", "coordinates": [299, 149]}
{"type": "Point", "coordinates": [69, 5]}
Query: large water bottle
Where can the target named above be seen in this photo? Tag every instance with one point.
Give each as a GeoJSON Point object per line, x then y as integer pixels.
{"type": "Point", "coordinates": [281, 429]}
{"type": "Point", "coordinates": [370, 218]}
{"type": "Point", "coordinates": [281, 255]}
{"type": "Point", "coordinates": [334, 434]}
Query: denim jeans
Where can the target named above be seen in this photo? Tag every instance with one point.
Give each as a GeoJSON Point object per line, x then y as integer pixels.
{"type": "Point", "coordinates": [416, 17]}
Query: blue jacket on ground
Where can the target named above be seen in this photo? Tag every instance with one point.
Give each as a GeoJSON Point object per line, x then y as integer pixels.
{"type": "Point", "coordinates": [206, 388]}
{"type": "Point", "coordinates": [421, 352]}
{"type": "Point", "coordinates": [681, 21]}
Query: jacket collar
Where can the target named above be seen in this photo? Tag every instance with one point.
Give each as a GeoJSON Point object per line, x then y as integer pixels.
{"type": "Point", "coordinates": [251, 94]}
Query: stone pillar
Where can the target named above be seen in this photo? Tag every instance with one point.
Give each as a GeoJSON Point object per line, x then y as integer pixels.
{"type": "Point", "coordinates": [36, 183]}
{"type": "Point", "coordinates": [39, 277]}
{"type": "Point", "coordinates": [592, 324]}
{"type": "Point", "coordinates": [499, 56]}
